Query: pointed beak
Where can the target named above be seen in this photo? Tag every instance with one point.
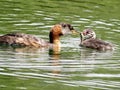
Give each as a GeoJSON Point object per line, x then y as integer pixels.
{"type": "Point", "coordinates": [74, 32]}
{"type": "Point", "coordinates": [81, 36]}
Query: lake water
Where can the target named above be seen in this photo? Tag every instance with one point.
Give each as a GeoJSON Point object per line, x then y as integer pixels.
{"type": "Point", "coordinates": [76, 68]}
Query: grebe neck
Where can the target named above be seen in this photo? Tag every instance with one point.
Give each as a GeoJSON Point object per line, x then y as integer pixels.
{"type": "Point", "coordinates": [55, 42]}
{"type": "Point", "coordinates": [54, 39]}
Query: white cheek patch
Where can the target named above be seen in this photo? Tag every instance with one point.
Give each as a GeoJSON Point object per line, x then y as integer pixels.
{"type": "Point", "coordinates": [66, 31]}
{"type": "Point", "coordinates": [94, 35]}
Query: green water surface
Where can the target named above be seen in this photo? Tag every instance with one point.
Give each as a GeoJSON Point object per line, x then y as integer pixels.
{"type": "Point", "coordinates": [76, 68]}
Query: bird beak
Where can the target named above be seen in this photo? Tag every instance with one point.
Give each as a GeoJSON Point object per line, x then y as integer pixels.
{"type": "Point", "coordinates": [81, 36]}
{"type": "Point", "coordinates": [74, 32]}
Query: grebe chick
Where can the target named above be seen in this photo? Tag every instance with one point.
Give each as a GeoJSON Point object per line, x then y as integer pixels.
{"type": "Point", "coordinates": [89, 40]}
{"type": "Point", "coordinates": [21, 39]}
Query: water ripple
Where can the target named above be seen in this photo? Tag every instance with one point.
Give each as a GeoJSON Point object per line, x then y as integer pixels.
{"type": "Point", "coordinates": [76, 67]}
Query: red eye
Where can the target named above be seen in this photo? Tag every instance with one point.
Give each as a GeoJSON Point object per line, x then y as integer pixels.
{"type": "Point", "coordinates": [87, 32]}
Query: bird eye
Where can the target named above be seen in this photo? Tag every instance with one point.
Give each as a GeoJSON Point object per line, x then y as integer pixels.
{"type": "Point", "coordinates": [70, 27]}
{"type": "Point", "coordinates": [87, 32]}
{"type": "Point", "coordinates": [64, 25]}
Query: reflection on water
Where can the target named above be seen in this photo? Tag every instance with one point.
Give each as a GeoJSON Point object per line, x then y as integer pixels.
{"type": "Point", "coordinates": [76, 67]}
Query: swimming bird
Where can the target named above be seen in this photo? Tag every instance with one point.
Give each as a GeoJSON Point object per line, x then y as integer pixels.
{"type": "Point", "coordinates": [22, 39]}
{"type": "Point", "coordinates": [89, 40]}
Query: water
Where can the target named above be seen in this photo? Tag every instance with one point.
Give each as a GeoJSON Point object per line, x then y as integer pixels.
{"type": "Point", "coordinates": [76, 68]}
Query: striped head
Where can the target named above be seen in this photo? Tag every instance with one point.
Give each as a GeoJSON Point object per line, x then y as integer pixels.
{"type": "Point", "coordinates": [59, 30]}
{"type": "Point", "coordinates": [87, 34]}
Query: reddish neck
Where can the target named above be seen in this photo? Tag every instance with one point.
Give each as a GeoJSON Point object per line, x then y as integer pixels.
{"type": "Point", "coordinates": [54, 38]}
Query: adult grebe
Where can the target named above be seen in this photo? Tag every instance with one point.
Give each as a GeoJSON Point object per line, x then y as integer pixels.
{"type": "Point", "coordinates": [21, 39]}
{"type": "Point", "coordinates": [88, 39]}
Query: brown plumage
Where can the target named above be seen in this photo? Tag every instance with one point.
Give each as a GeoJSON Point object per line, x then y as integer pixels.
{"type": "Point", "coordinates": [89, 40]}
{"type": "Point", "coordinates": [21, 39]}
